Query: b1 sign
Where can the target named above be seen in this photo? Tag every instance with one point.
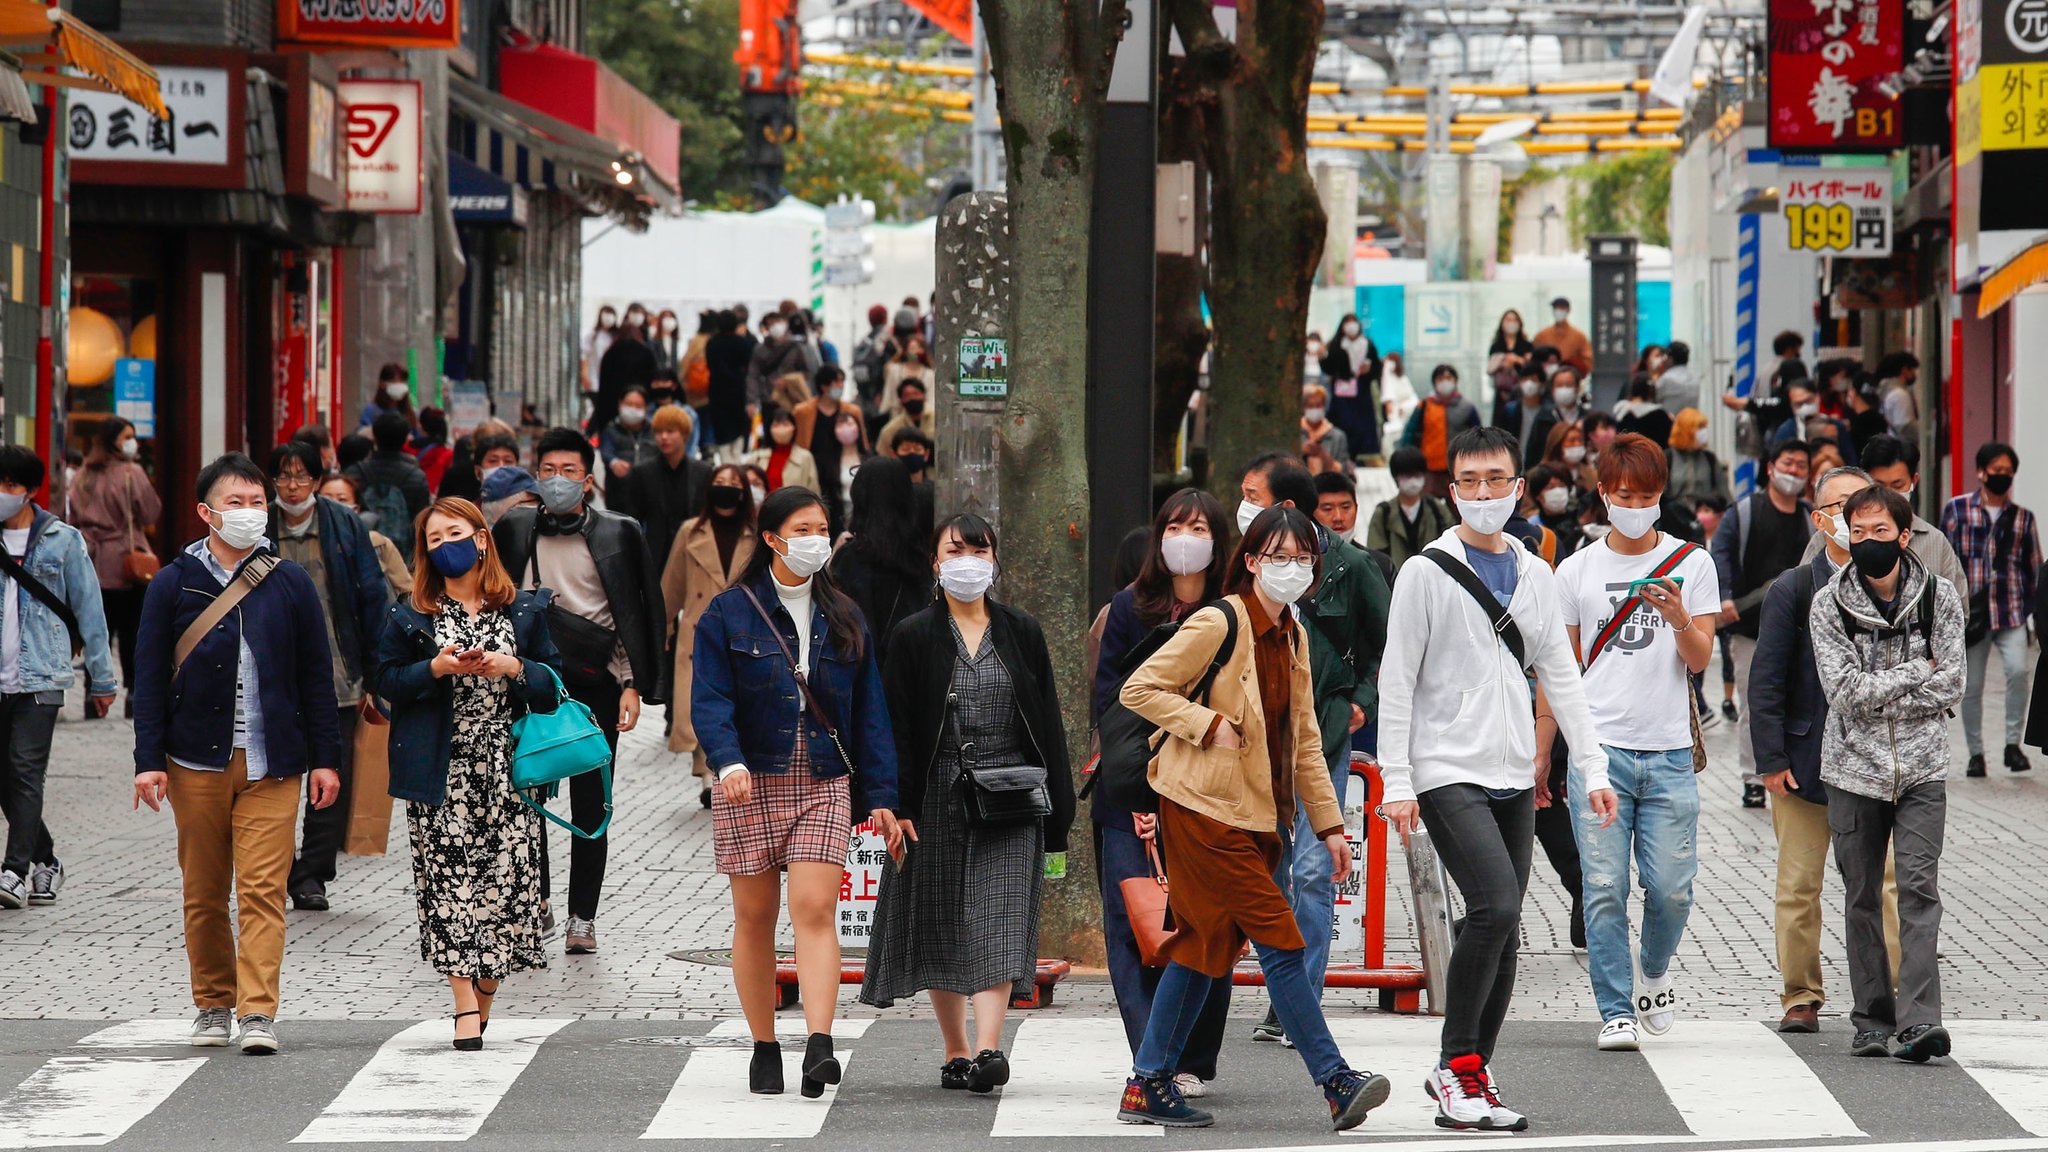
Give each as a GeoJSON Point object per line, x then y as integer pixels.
{"type": "Point", "coordinates": [381, 120]}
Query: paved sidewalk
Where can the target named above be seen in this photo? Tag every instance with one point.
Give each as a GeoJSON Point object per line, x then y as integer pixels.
{"type": "Point", "coordinates": [112, 948]}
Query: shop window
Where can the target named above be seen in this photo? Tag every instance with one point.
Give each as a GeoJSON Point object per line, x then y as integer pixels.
{"type": "Point", "coordinates": [111, 358]}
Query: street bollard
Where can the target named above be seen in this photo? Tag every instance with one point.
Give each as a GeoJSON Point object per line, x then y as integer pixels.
{"type": "Point", "coordinates": [1430, 887]}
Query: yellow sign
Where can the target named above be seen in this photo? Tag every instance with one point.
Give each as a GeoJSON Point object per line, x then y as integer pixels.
{"type": "Point", "coordinates": [1969, 120]}
{"type": "Point", "coordinates": [2014, 106]}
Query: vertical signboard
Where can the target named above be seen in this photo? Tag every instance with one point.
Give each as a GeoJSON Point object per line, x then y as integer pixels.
{"type": "Point", "coordinates": [1613, 260]}
{"type": "Point", "coordinates": [1827, 59]}
{"type": "Point", "coordinates": [381, 124]}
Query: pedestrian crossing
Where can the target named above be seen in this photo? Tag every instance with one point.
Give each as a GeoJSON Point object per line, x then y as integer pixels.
{"type": "Point", "coordinates": [135, 1084]}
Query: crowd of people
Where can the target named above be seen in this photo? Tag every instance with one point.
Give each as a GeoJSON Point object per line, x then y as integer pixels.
{"type": "Point", "coordinates": [1520, 633]}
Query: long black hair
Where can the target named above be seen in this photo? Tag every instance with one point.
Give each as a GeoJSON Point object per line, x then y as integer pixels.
{"type": "Point", "coordinates": [1153, 588]}
{"type": "Point", "coordinates": [1272, 527]}
{"type": "Point", "coordinates": [884, 520]}
{"type": "Point", "coordinates": [744, 514]}
{"type": "Point", "coordinates": [842, 618]}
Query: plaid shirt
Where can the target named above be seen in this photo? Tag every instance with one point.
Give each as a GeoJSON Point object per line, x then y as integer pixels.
{"type": "Point", "coordinates": [1967, 524]}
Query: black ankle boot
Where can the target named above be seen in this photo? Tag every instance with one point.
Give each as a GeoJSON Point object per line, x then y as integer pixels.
{"type": "Point", "coordinates": [820, 1066]}
{"type": "Point", "coordinates": [764, 1075]}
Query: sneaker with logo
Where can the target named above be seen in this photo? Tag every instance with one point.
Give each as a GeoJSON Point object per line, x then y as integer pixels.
{"type": "Point", "coordinates": [43, 882]}
{"type": "Point", "coordinates": [1353, 1094]}
{"type": "Point", "coordinates": [1158, 1102]}
{"type": "Point", "coordinates": [1505, 1119]}
{"type": "Point", "coordinates": [13, 890]}
{"type": "Point", "coordinates": [1462, 1091]}
{"type": "Point", "coordinates": [1656, 1005]}
{"type": "Point", "coordinates": [259, 1036]}
{"type": "Point", "coordinates": [1619, 1035]}
{"type": "Point", "coordinates": [211, 1028]}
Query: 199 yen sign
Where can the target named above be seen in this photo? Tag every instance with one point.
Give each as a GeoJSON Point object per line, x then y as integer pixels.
{"type": "Point", "coordinates": [1827, 215]}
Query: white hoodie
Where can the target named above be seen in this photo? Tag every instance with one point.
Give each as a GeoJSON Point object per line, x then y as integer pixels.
{"type": "Point", "coordinates": [1454, 708]}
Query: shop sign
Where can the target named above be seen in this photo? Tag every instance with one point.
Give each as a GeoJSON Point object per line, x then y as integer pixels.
{"type": "Point", "coordinates": [381, 126]}
{"type": "Point", "coordinates": [1827, 58]}
{"type": "Point", "coordinates": [320, 122]}
{"type": "Point", "coordinates": [104, 126]}
{"type": "Point", "coordinates": [2012, 84]}
{"type": "Point", "coordinates": [135, 395]}
{"type": "Point", "coordinates": [985, 367]}
{"type": "Point", "coordinates": [391, 23]}
{"type": "Point", "coordinates": [1844, 212]}
{"type": "Point", "coordinates": [860, 885]}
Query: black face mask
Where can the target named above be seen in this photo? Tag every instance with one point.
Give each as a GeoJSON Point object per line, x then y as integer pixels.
{"type": "Point", "coordinates": [913, 408]}
{"type": "Point", "coordinates": [1998, 483]}
{"type": "Point", "coordinates": [915, 461]}
{"type": "Point", "coordinates": [726, 497]}
{"type": "Point", "coordinates": [1875, 559]}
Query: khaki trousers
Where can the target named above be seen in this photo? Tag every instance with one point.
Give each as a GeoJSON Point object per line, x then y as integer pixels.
{"type": "Point", "coordinates": [234, 831]}
{"type": "Point", "coordinates": [1803, 839]}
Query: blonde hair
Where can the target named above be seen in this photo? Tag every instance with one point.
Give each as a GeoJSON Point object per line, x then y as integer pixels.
{"type": "Point", "coordinates": [1685, 429]}
{"type": "Point", "coordinates": [427, 582]}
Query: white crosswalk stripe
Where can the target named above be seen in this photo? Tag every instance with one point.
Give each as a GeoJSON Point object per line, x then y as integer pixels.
{"type": "Point", "coordinates": [1065, 1076]}
{"type": "Point", "coordinates": [417, 1087]}
{"type": "Point", "coordinates": [710, 1101]}
{"type": "Point", "coordinates": [1775, 1097]}
{"type": "Point", "coordinates": [84, 1101]}
{"type": "Point", "coordinates": [2005, 1057]}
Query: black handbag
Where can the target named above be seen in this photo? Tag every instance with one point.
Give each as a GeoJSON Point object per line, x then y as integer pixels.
{"type": "Point", "coordinates": [1128, 741]}
{"type": "Point", "coordinates": [1009, 794]}
{"type": "Point", "coordinates": [586, 647]}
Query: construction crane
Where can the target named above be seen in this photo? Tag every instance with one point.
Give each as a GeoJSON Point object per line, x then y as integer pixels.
{"type": "Point", "coordinates": [770, 59]}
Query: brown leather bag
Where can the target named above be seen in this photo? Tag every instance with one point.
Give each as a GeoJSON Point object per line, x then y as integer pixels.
{"type": "Point", "coordinates": [140, 563]}
{"type": "Point", "coordinates": [1145, 905]}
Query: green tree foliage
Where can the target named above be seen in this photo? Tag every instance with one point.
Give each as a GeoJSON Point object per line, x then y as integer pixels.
{"type": "Point", "coordinates": [1628, 194]}
{"type": "Point", "coordinates": [679, 52]}
{"type": "Point", "coordinates": [876, 147]}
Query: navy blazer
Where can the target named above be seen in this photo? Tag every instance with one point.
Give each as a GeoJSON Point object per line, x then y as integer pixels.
{"type": "Point", "coordinates": [421, 703]}
{"type": "Point", "coordinates": [1787, 709]}
{"type": "Point", "coordinates": [745, 705]}
{"type": "Point", "coordinates": [191, 717]}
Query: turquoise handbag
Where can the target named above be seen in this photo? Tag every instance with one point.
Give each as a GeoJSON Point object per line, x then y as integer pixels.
{"type": "Point", "coordinates": [550, 747]}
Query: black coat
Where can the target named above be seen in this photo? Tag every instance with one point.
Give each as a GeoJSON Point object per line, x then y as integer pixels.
{"type": "Point", "coordinates": [888, 594]}
{"type": "Point", "coordinates": [663, 497]}
{"type": "Point", "coordinates": [626, 363]}
{"type": "Point", "coordinates": [918, 676]}
{"type": "Point", "coordinates": [624, 567]}
{"type": "Point", "coordinates": [2037, 708]}
{"type": "Point", "coordinates": [1787, 709]}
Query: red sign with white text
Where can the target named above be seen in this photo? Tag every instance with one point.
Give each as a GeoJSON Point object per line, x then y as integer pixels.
{"type": "Point", "coordinates": [391, 23]}
{"type": "Point", "coordinates": [1827, 58]}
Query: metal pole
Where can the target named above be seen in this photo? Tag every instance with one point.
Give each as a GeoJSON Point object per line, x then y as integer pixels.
{"type": "Point", "coordinates": [1430, 886]}
{"type": "Point", "coordinates": [988, 137]}
{"type": "Point", "coordinates": [46, 276]}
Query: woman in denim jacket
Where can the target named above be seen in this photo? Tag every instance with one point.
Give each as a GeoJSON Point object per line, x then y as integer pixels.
{"type": "Point", "coordinates": [786, 793]}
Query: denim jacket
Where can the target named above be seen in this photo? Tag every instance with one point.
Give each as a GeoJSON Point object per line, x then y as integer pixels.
{"type": "Point", "coordinates": [58, 558]}
{"type": "Point", "coordinates": [745, 704]}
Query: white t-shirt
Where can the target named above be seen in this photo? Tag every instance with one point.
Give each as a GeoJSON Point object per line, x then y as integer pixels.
{"type": "Point", "coordinates": [15, 540]}
{"type": "Point", "coordinates": [1636, 689]}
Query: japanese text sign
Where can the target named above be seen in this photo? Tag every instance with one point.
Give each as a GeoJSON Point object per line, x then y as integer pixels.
{"type": "Point", "coordinates": [1843, 212]}
{"type": "Point", "coordinates": [2013, 81]}
{"type": "Point", "coordinates": [381, 127]}
{"type": "Point", "coordinates": [104, 126]}
{"type": "Point", "coordinates": [860, 885]}
{"type": "Point", "coordinates": [392, 23]}
{"type": "Point", "coordinates": [1827, 58]}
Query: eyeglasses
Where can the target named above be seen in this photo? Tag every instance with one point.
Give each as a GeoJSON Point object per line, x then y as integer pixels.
{"type": "Point", "coordinates": [565, 471]}
{"type": "Point", "coordinates": [1486, 485]}
{"type": "Point", "coordinates": [293, 480]}
{"type": "Point", "coordinates": [1306, 562]}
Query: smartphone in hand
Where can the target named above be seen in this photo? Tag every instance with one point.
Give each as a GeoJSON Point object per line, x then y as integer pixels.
{"type": "Point", "coordinates": [1635, 587]}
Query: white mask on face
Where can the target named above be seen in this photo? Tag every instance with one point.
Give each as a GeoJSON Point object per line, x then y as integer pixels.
{"type": "Point", "coordinates": [759, 492]}
{"type": "Point", "coordinates": [1312, 415]}
{"type": "Point", "coordinates": [1556, 500]}
{"type": "Point", "coordinates": [1573, 453]}
{"type": "Point", "coordinates": [1350, 328]}
{"type": "Point", "coordinates": [807, 555]}
{"type": "Point", "coordinates": [1446, 388]}
{"type": "Point", "coordinates": [240, 528]}
{"type": "Point", "coordinates": [1285, 583]}
{"type": "Point", "coordinates": [1560, 314]}
{"type": "Point", "coordinates": [1787, 483]}
{"type": "Point", "coordinates": [1487, 517]}
{"type": "Point", "coordinates": [1186, 555]}
{"type": "Point", "coordinates": [632, 417]}
{"type": "Point", "coordinates": [297, 507]}
{"type": "Point", "coordinates": [397, 390]}
{"type": "Point", "coordinates": [847, 433]}
{"type": "Point", "coordinates": [1511, 328]}
{"type": "Point", "coordinates": [1531, 389]}
{"type": "Point", "coordinates": [1410, 485]}
{"type": "Point", "coordinates": [966, 578]}
{"type": "Point", "coordinates": [1806, 411]}
{"type": "Point", "coordinates": [1565, 397]}
{"type": "Point", "coordinates": [1598, 531]}
{"type": "Point", "coordinates": [1839, 533]}
{"type": "Point", "coordinates": [1634, 523]}
{"type": "Point", "coordinates": [775, 331]}
{"type": "Point", "coordinates": [131, 448]}
{"type": "Point", "coordinates": [1246, 513]}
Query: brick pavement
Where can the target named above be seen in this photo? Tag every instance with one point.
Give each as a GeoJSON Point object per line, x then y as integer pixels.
{"type": "Point", "coordinates": [112, 947]}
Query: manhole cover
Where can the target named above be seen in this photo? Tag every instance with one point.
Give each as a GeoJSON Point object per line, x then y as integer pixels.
{"type": "Point", "coordinates": [688, 1041]}
{"type": "Point", "coordinates": [722, 957]}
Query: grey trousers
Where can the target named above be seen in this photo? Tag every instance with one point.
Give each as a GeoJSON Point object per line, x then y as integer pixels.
{"type": "Point", "coordinates": [1862, 827]}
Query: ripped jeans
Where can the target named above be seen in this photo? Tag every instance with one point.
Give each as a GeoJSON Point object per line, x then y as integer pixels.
{"type": "Point", "coordinates": [1658, 802]}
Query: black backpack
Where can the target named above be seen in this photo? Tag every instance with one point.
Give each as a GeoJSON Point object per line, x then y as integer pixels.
{"type": "Point", "coordinates": [1127, 739]}
{"type": "Point", "coordinates": [1923, 621]}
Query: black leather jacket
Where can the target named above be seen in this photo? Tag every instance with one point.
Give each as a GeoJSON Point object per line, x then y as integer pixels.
{"type": "Point", "coordinates": [627, 572]}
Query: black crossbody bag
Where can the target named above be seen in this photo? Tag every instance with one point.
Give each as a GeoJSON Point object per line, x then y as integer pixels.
{"type": "Point", "coordinates": [34, 587]}
{"type": "Point", "coordinates": [1503, 620]}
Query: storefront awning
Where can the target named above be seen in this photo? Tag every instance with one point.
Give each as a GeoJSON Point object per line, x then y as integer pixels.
{"type": "Point", "coordinates": [48, 39]}
{"type": "Point", "coordinates": [2020, 272]}
{"type": "Point", "coordinates": [584, 93]}
{"type": "Point", "coordinates": [15, 102]}
{"type": "Point", "coordinates": [480, 197]}
{"type": "Point", "coordinates": [534, 150]}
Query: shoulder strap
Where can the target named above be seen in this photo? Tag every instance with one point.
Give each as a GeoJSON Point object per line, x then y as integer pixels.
{"type": "Point", "coordinates": [1503, 620]}
{"type": "Point", "coordinates": [1223, 651]}
{"type": "Point", "coordinates": [803, 685]}
{"type": "Point", "coordinates": [1628, 606]}
{"type": "Point", "coordinates": [1923, 618]}
{"type": "Point", "coordinates": [245, 582]}
{"type": "Point", "coordinates": [49, 599]}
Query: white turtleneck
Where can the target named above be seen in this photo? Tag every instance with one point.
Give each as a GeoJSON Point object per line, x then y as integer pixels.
{"type": "Point", "coordinates": [797, 602]}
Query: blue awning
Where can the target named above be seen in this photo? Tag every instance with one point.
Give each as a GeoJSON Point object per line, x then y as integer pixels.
{"type": "Point", "coordinates": [481, 197]}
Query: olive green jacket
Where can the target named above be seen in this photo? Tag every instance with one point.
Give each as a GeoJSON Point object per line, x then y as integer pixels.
{"type": "Point", "coordinates": [1348, 618]}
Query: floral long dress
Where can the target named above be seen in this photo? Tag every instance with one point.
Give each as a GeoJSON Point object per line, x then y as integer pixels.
{"type": "Point", "coordinates": [476, 855]}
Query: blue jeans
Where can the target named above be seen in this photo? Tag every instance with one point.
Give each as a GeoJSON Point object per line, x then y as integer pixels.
{"type": "Point", "coordinates": [1304, 878]}
{"type": "Point", "coordinates": [1658, 815]}
{"type": "Point", "coordinates": [1119, 854]}
{"type": "Point", "coordinates": [1177, 1007]}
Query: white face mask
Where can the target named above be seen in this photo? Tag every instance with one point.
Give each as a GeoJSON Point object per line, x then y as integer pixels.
{"type": "Point", "coordinates": [1487, 517]}
{"type": "Point", "coordinates": [1787, 483]}
{"type": "Point", "coordinates": [1187, 555]}
{"type": "Point", "coordinates": [775, 331]}
{"type": "Point", "coordinates": [1511, 328]}
{"type": "Point", "coordinates": [131, 448]}
{"type": "Point", "coordinates": [1806, 411]}
{"type": "Point", "coordinates": [1246, 513]}
{"type": "Point", "coordinates": [1447, 388]}
{"type": "Point", "coordinates": [1410, 485]}
{"type": "Point", "coordinates": [1598, 531]}
{"type": "Point", "coordinates": [1565, 397]}
{"type": "Point", "coordinates": [1556, 500]}
{"type": "Point", "coordinates": [1285, 583]}
{"type": "Point", "coordinates": [12, 503]}
{"type": "Point", "coordinates": [759, 492]}
{"type": "Point", "coordinates": [1573, 453]}
{"type": "Point", "coordinates": [1312, 415]}
{"type": "Point", "coordinates": [847, 434]}
{"type": "Point", "coordinates": [632, 417]}
{"type": "Point", "coordinates": [1560, 314]}
{"type": "Point", "coordinates": [966, 578]}
{"type": "Point", "coordinates": [1549, 370]}
{"type": "Point", "coordinates": [1350, 329]}
{"type": "Point", "coordinates": [1634, 523]}
{"type": "Point", "coordinates": [240, 528]}
{"type": "Point", "coordinates": [807, 555]}
{"type": "Point", "coordinates": [1531, 389]}
{"type": "Point", "coordinates": [297, 507]}
{"type": "Point", "coordinates": [397, 390]}
{"type": "Point", "coordinates": [668, 324]}
{"type": "Point", "coordinates": [1839, 533]}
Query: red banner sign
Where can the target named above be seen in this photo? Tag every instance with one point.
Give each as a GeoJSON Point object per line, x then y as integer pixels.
{"type": "Point", "coordinates": [391, 23]}
{"type": "Point", "coordinates": [1827, 58]}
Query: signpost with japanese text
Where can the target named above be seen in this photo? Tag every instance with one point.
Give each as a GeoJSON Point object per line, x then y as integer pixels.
{"type": "Point", "coordinates": [1837, 211]}
{"type": "Point", "coordinates": [1827, 58]}
{"type": "Point", "coordinates": [106, 126]}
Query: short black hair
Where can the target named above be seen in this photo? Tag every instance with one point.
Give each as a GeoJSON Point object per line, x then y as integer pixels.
{"type": "Point", "coordinates": [351, 451]}
{"type": "Point", "coordinates": [916, 382]}
{"type": "Point", "coordinates": [565, 440]}
{"type": "Point", "coordinates": [390, 431]}
{"type": "Point", "coordinates": [233, 466]}
{"type": "Point", "coordinates": [1879, 496]}
{"type": "Point", "coordinates": [1266, 462]}
{"type": "Point", "coordinates": [826, 376]}
{"type": "Point", "coordinates": [1538, 478]}
{"type": "Point", "coordinates": [315, 434]}
{"type": "Point", "coordinates": [1486, 442]}
{"type": "Point", "coordinates": [1334, 484]}
{"type": "Point", "coordinates": [1713, 502]}
{"type": "Point", "coordinates": [1408, 462]}
{"type": "Point", "coordinates": [913, 436]}
{"type": "Point", "coordinates": [1542, 352]}
{"type": "Point", "coordinates": [773, 415]}
{"type": "Point", "coordinates": [1679, 351]}
{"type": "Point", "coordinates": [1442, 370]}
{"type": "Point", "coordinates": [1989, 452]}
{"type": "Point", "coordinates": [482, 446]}
{"type": "Point", "coordinates": [19, 465]}
{"type": "Point", "coordinates": [1805, 382]}
{"type": "Point", "coordinates": [434, 423]}
{"type": "Point", "coordinates": [1288, 481]}
{"type": "Point", "coordinates": [1884, 450]}
{"type": "Point", "coordinates": [1895, 363]}
{"type": "Point", "coordinates": [1787, 341]}
{"type": "Point", "coordinates": [307, 455]}
{"type": "Point", "coordinates": [1562, 369]}
{"type": "Point", "coordinates": [1594, 421]}
{"type": "Point", "coordinates": [1789, 447]}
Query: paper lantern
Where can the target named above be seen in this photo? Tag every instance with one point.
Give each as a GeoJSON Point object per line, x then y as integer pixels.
{"type": "Point", "coordinates": [142, 339]}
{"type": "Point", "coordinates": [94, 346]}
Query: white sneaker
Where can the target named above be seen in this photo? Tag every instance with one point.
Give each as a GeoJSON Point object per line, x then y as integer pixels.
{"type": "Point", "coordinates": [1190, 1085]}
{"type": "Point", "coordinates": [1504, 1117]}
{"type": "Point", "coordinates": [1619, 1035]}
{"type": "Point", "coordinates": [1462, 1099]}
{"type": "Point", "coordinates": [212, 1027]}
{"type": "Point", "coordinates": [1656, 1005]}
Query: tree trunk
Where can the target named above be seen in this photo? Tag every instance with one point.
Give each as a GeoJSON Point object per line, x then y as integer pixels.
{"type": "Point", "coordinates": [1051, 60]}
{"type": "Point", "coordinates": [1266, 222]}
{"type": "Point", "coordinates": [1179, 336]}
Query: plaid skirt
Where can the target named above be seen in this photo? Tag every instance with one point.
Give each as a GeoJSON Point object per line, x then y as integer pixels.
{"type": "Point", "coordinates": [789, 818]}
